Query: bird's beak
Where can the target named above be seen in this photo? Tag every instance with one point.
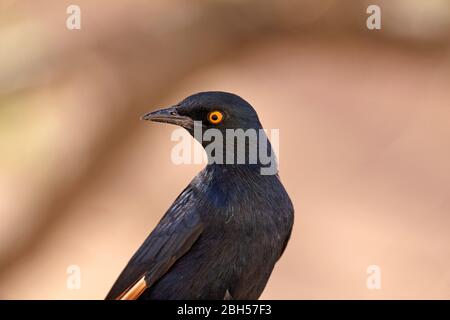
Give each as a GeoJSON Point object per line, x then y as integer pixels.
{"type": "Point", "coordinates": [169, 115]}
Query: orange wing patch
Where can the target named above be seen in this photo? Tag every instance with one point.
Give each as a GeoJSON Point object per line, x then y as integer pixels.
{"type": "Point", "coordinates": [134, 291]}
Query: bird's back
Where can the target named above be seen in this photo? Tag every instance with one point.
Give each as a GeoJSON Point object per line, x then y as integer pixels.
{"type": "Point", "coordinates": [245, 220]}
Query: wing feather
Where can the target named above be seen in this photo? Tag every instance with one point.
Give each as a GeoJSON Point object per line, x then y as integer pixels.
{"type": "Point", "coordinates": [175, 234]}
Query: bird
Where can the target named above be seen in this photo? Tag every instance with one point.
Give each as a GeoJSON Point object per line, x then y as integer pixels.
{"type": "Point", "coordinates": [221, 237]}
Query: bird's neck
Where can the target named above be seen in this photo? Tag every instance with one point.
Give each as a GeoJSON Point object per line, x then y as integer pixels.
{"type": "Point", "coordinates": [244, 155]}
{"type": "Point", "coordinates": [236, 171]}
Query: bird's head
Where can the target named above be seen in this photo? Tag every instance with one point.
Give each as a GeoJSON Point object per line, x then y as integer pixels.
{"type": "Point", "coordinates": [226, 125]}
{"type": "Point", "coordinates": [214, 109]}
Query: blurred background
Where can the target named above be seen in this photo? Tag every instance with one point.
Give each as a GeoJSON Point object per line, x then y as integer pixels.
{"type": "Point", "coordinates": [364, 119]}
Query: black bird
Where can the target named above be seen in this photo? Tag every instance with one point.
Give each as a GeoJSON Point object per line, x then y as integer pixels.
{"type": "Point", "coordinates": [224, 233]}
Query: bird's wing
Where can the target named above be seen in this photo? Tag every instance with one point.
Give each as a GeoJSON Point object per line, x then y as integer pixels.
{"type": "Point", "coordinates": [171, 239]}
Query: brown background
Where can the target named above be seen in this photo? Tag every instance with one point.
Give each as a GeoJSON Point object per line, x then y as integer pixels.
{"type": "Point", "coordinates": [364, 136]}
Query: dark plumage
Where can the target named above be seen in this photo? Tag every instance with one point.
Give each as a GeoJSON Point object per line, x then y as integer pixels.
{"type": "Point", "coordinates": [222, 236]}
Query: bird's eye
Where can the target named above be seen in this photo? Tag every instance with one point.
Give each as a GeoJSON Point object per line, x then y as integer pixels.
{"type": "Point", "coordinates": [215, 117]}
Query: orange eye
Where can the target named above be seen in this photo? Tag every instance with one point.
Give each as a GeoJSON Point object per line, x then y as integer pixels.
{"type": "Point", "coordinates": [215, 117]}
